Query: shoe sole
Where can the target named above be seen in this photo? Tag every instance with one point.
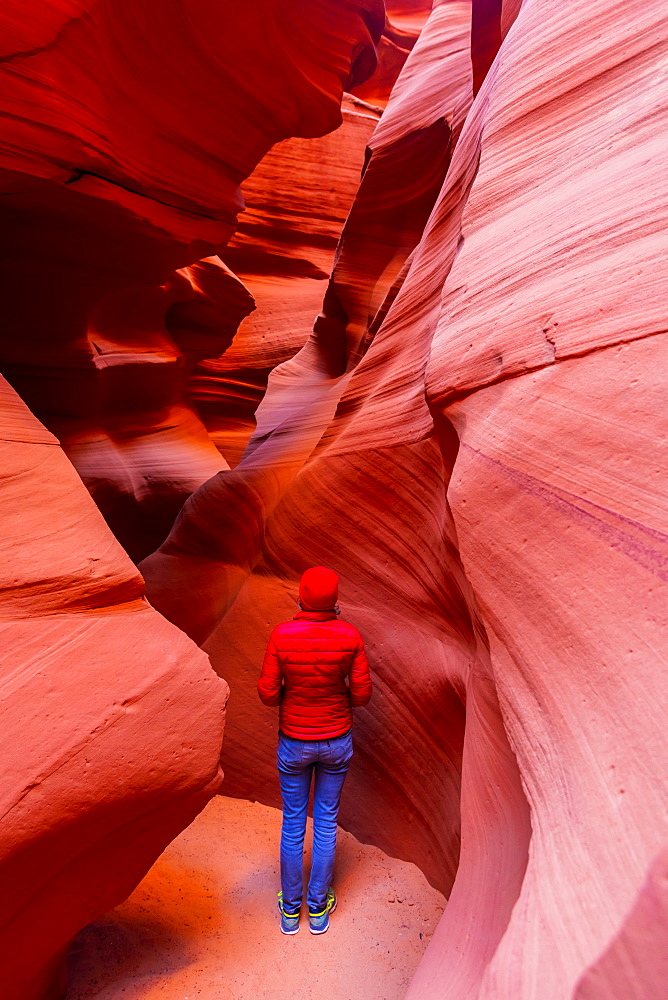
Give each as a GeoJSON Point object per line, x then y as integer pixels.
{"type": "Point", "coordinates": [295, 931]}
{"type": "Point", "coordinates": [324, 929]}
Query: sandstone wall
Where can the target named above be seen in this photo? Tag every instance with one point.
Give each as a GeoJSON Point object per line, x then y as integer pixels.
{"type": "Point", "coordinates": [515, 375]}
{"type": "Point", "coordinates": [111, 719]}
{"type": "Point", "coordinates": [125, 138]}
{"type": "Point", "coordinates": [321, 482]}
{"type": "Point", "coordinates": [126, 133]}
{"type": "Point", "coordinates": [471, 436]}
{"type": "Point", "coordinates": [548, 358]}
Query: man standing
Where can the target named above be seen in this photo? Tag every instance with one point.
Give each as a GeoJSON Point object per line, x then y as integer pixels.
{"type": "Point", "coordinates": [316, 670]}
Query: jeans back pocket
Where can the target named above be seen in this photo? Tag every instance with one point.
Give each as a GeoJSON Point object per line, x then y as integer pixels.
{"type": "Point", "coordinates": [341, 749]}
{"type": "Point", "coordinates": [290, 753]}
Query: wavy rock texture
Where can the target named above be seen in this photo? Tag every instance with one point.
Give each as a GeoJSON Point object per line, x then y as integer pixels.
{"type": "Point", "coordinates": [408, 158]}
{"type": "Point", "coordinates": [181, 187]}
{"type": "Point", "coordinates": [104, 198]}
{"type": "Point", "coordinates": [117, 194]}
{"type": "Point", "coordinates": [551, 347]}
{"type": "Point", "coordinates": [116, 396]}
{"type": "Point", "coordinates": [404, 20]}
{"type": "Point", "coordinates": [343, 496]}
{"type": "Point", "coordinates": [111, 720]}
{"type": "Point", "coordinates": [297, 200]}
{"type": "Point", "coordinates": [519, 366]}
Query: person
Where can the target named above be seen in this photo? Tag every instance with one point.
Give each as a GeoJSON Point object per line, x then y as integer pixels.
{"type": "Point", "coordinates": [315, 669]}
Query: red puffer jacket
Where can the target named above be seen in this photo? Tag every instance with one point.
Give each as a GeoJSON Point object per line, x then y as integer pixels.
{"type": "Point", "coordinates": [305, 669]}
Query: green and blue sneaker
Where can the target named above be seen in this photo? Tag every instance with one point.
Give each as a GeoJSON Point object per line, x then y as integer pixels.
{"type": "Point", "coordinates": [319, 922]}
{"type": "Point", "coordinates": [289, 921]}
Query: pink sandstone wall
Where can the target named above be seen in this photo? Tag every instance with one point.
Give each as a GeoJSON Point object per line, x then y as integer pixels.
{"type": "Point", "coordinates": [529, 317]}
{"type": "Point", "coordinates": [547, 357]}
{"type": "Point", "coordinates": [471, 436]}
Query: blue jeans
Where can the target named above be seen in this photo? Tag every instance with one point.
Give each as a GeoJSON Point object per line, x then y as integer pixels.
{"type": "Point", "coordinates": [297, 761]}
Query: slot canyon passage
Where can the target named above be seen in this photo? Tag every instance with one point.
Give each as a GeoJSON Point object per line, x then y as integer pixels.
{"type": "Point", "coordinates": [380, 288]}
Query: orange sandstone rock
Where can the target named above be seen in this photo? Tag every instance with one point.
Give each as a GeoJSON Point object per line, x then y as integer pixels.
{"type": "Point", "coordinates": [125, 138]}
{"type": "Point", "coordinates": [297, 200]}
{"type": "Point", "coordinates": [506, 412]}
{"type": "Point", "coordinates": [320, 484]}
{"type": "Point", "coordinates": [111, 720]}
{"type": "Point", "coordinates": [112, 178]}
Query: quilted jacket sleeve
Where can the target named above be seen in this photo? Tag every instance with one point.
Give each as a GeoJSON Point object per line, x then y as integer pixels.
{"type": "Point", "coordinates": [269, 686]}
{"type": "Point", "coordinates": [359, 681]}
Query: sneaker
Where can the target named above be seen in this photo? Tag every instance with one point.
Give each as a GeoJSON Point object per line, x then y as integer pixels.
{"type": "Point", "coordinates": [289, 921]}
{"type": "Point", "coordinates": [319, 922]}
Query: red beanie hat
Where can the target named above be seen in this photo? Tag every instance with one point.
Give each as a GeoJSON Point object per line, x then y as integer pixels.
{"type": "Point", "coordinates": [318, 589]}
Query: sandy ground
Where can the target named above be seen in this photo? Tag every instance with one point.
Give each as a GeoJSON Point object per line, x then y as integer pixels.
{"type": "Point", "coordinates": [203, 924]}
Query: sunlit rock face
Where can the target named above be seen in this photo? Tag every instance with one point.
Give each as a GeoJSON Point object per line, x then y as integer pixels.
{"type": "Point", "coordinates": [320, 484]}
{"type": "Point", "coordinates": [470, 436]}
{"type": "Point", "coordinates": [111, 720]}
{"type": "Point", "coordinates": [486, 474]}
{"type": "Point", "coordinates": [545, 256]}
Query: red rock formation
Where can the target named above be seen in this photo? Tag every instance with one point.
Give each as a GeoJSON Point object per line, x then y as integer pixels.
{"type": "Point", "coordinates": [111, 720]}
{"type": "Point", "coordinates": [470, 439]}
{"type": "Point", "coordinates": [115, 184]}
{"type": "Point", "coordinates": [404, 20]}
{"type": "Point", "coordinates": [284, 251]}
{"type": "Point", "coordinates": [528, 316]}
{"type": "Point", "coordinates": [104, 197]}
{"type": "Point", "coordinates": [112, 155]}
{"type": "Point", "coordinates": [345, 499]}
{"type": "Point", "coordinates": [297, 200]}
{"type": "Point", "coordinates": [116, 397]}
{"type": "Point", "coordinates": [408, 157]}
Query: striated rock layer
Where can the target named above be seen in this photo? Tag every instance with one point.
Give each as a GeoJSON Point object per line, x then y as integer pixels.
{"type": "Point", "coordinates": [548, 359]}
{"type": "Point", "coordinates": [306, 494]}
{"type": "Point", "coordinates": [107, 198]}
{"type": "Point", "coordinates": [501, 405]}
{"type": "Point", "coordinates": [118, 193]}
{"type": "Point", "coordinates": [297, 200]}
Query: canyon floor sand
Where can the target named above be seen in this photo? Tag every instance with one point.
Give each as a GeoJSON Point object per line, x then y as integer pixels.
{"type": "Point", "coordinates": [203, 924]}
